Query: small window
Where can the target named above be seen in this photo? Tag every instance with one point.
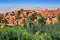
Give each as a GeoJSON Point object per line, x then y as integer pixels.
{"type": "Point", "coordinates": [19, 12]}
{"type": "Point", "coordinates": [12, 14]}
{"type": "Point", "coordinates": [7, 14]}
{"type": "Point", "coordinates": [7, 18]}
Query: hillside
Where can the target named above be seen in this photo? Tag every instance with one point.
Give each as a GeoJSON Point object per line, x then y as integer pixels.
{"type": "Point", "coordinates": [50, 15]}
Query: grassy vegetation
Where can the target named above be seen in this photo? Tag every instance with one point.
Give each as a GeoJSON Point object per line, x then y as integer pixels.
{"type": "Point", "coordinates": [36, 32]}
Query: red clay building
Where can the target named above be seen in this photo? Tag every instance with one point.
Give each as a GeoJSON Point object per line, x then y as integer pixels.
{"type": "Point", "coordinates": [10, 16]}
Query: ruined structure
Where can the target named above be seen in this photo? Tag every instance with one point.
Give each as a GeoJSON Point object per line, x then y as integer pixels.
{"type": "Point", "coordinates": [50, 15]}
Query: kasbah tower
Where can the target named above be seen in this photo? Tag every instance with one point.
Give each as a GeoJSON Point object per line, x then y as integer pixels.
{"type": "Point", "coordinates": [10, 16]}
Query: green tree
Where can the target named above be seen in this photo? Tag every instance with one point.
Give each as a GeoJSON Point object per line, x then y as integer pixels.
{"type": "Point", "coordinates": [24, 23]}
{"type": "Point", "coordinates": [4, 21]}
{"type": "Point", "coordinates": [1, 17]}
{"type": "Point", "coordinates": [31, 23]}
{"type": "Point", "coordinates": [41, 20]}
{"type": "Point", "coordinates": [31, 19]}
{"type": "Point", "coordinates": [17, 16]}
{"type": "Point", "coordinates": [58, 18]}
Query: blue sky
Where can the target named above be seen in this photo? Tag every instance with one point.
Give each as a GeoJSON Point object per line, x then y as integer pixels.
{"type": "Point", "coordinates": [15, 4]}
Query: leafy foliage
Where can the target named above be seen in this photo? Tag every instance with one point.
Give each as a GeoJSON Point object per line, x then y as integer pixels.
{"type": "Point", "coordinates": [58, 17]}
{"type": "Point", "coordinates": [42, 19]}
{"type": "Point", "coordinates": [18, 32]}
{"type": "Point", "coordinates": [4, 21]}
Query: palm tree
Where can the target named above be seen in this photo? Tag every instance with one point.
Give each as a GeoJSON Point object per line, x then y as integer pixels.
{"type": "Point", "coordinates": [4, 21]}
{"type": "Point", "coordinates": [32, 25]}
{"type": "Point", "coordinates": [58, 18]}
{"type": "Point", "coordinates": [17, 16]}
{"type": "Point", "coordinates": [41, 20]}
{"type": "Point", "coordinates": [31, 19]}
{"type": "Point", "coordinates": [25, 23]}
{"type": "Point", "coordinates": [1, 17]}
